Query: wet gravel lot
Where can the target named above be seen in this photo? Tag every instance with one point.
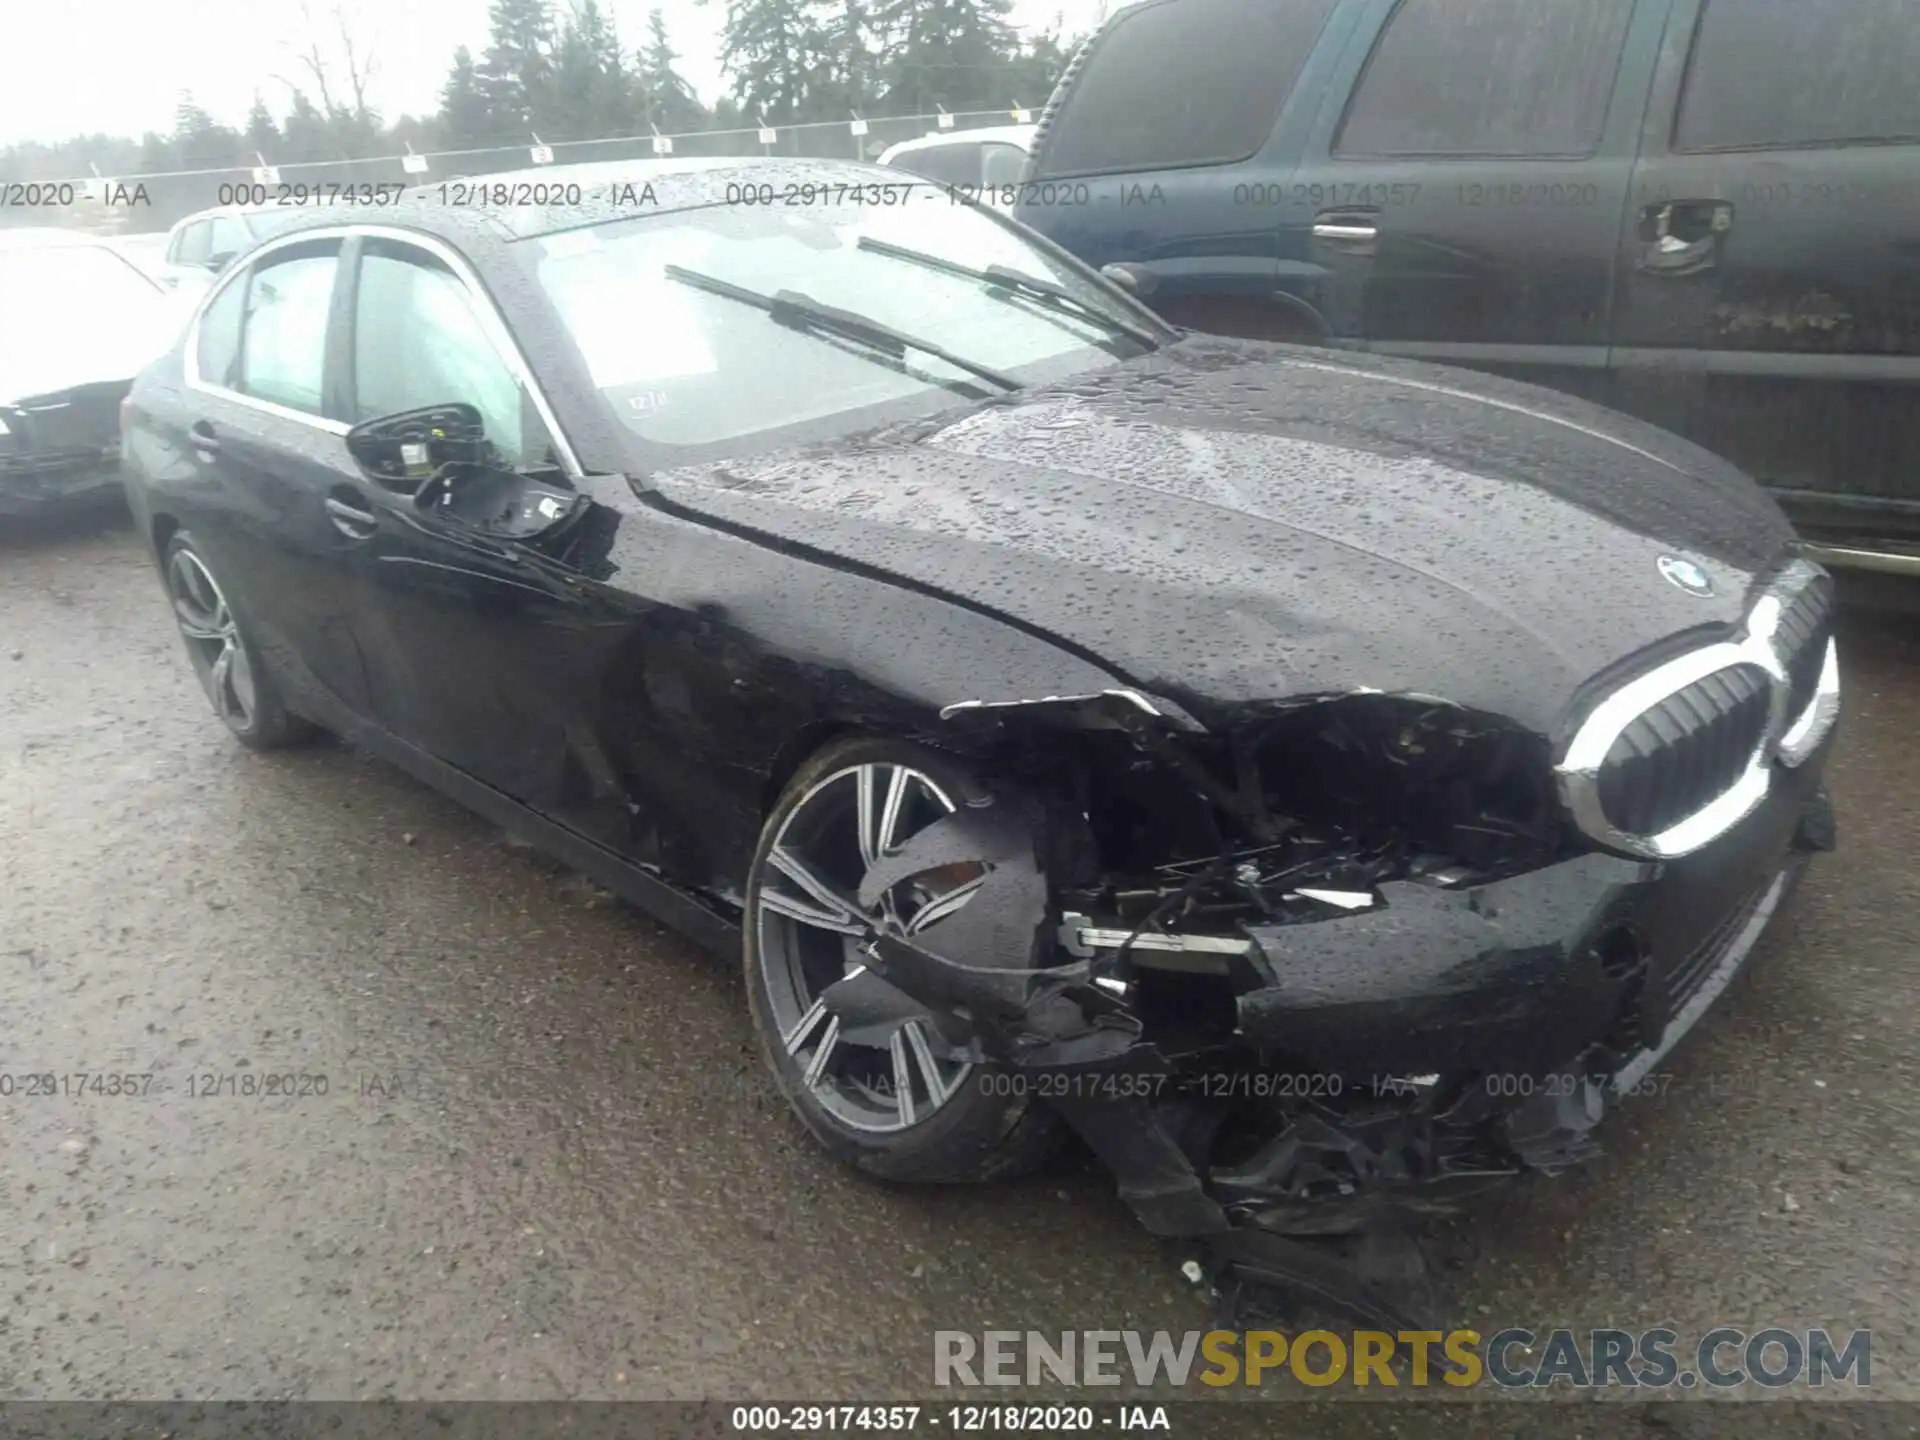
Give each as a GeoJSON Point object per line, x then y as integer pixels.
{"type": "Point", "coordinates": [531, 1152]}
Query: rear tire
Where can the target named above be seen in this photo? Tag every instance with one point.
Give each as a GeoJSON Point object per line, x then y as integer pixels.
{"type": "Point", "coordinates": [957, 1125]}
{"type": "Point", "coordinates": [238, 685]}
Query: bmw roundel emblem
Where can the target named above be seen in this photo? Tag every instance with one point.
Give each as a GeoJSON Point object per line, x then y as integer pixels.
{"type": "Point", "coordinates": [1687, 575]}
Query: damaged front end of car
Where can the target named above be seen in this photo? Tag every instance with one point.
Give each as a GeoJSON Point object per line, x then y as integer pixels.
{"type": "Point", "coordinates": [1347, 964]}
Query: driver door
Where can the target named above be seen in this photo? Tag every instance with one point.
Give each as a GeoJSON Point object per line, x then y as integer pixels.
{"type": "Point", "coordinates": [470, 646]}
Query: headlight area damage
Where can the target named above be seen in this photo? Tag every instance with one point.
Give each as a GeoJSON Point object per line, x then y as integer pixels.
{"type": "Point", "coordinates": [1294, 986]}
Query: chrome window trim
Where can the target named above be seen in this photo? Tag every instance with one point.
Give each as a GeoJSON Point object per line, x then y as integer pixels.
{"type": "Point", "coordinates": [498, 334]}
{"type": "Point", "coordinates": [190, 346]}
{"type": "Point", "coordinates": [1803, 737]}
{"type": "Point", "coordinates": [1789, 739]}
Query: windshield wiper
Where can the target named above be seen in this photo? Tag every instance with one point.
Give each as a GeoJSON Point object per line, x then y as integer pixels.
{"type": "Point", "coordinates": [1053, 297]}
{"type": "Point", "coordinates": [802, 312]}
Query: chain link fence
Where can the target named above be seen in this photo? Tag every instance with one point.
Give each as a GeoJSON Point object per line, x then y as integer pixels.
{"type": "Point", "coordinates": [148, 203]}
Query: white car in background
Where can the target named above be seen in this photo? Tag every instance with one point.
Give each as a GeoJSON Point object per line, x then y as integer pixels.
{"type": "Point", "coordinates": [205, 243]}
{"type": "Point", "coordinates": [78, 320]}
{"type": "Point", "coordinates": [981, 162]}
{"type": "Point", "coordinates": [149, 252]}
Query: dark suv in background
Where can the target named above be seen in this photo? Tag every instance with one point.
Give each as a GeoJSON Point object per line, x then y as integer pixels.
{"type": "Point", "coordinates": [1703, 212]}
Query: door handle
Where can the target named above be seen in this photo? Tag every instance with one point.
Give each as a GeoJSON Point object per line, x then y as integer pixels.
{"type": "Point", "coordinates": [350, 515]}
{"type": "Point", "coordinates": [1354, 231]}
{"type": "Point", "coordinates": [205, 443]}
{"type": "Point", "coordinates": [1682, 237]}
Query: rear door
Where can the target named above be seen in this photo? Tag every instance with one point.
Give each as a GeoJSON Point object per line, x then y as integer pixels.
{"type": "Point", "coordinates": [1770, 279]}
{"type": "Point", "coordinates": [264, 433]}
{"type": "Point", "coordinates": [1161, 139]}
{"type": "Point", "coordinates": [1460, 192]}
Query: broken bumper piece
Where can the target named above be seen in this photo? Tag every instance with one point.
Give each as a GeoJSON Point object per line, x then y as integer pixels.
{"type": "Point", "coordinates": [34, 484]}
{"type": "Point", "coordinates": [1459, 1036]}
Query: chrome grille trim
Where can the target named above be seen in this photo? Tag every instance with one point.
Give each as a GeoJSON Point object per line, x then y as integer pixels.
{"type": "Point", "coordinates": [1803, 737]}
{"type": "Point", "coordinates": [1789, 738]}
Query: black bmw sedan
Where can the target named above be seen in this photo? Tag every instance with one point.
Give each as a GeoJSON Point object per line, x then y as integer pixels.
{"type": "Point", "coordinates": [1325, 785]}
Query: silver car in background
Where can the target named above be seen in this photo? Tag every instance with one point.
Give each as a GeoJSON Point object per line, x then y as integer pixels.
{"type": "Point", "coordinates": [984, 164]}
{"type": "Point", "coordinates": [206, 242]}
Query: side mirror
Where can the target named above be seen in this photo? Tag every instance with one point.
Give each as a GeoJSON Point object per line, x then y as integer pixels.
{"type": "Point", "coordinates": [1136, 280]}
{"type": "Point", "coordinates": [440, 456]}
{"type": "Point", "coordinates": [216, 263]}
{"type": "Point", "coordinates": [400, 451]}
{"type": "Point", "coordinates": [503, 504]}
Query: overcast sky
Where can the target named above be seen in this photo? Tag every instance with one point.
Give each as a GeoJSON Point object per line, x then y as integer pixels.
{"type": "Point", "coordinates": [119, 65]}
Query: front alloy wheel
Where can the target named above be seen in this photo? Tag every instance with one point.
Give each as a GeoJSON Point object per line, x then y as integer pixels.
{"type": "Point", "coordinates": [869, 1074]}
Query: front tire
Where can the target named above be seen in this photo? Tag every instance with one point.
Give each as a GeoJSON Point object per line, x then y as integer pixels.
{"type": "Point", "coordinates": [239, 686]}
{"type": "Point", "coordinates": [880, 1097]}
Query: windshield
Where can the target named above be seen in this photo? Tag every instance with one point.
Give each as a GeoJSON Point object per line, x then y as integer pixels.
{"type": "Point", "coordinates": [70, 287]}
{"type": "Point", "coordinates": [685, 367]}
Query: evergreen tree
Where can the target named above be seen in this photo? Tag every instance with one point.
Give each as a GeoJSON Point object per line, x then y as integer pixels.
{"type": "Point", "coordinates": [410, 131]}
{"type": "Point", "coordinates": [263, 135]}
{"type": "Point", "coordinates": [576, 71]}
{"type": "Point", "coordinates": [199, 141]}
{"type": "Point", "coordinates": [666, 100]}
{"type": "Point", "coordinates": [775, 53]}
{"type": "Point", "coordinates": [849, 82]}
{"type": "Point", "coordinates": [595, 93]}
{"type": "Point", "coordinates": [956, 53]}
{"type": "Point", "coordinates": [358, 133]}
{"type": "Point", "coordinates": [1037, 67]}
{"type": "Point", "coordinates": [305, 131]}
{"type": "Point", "coordinates": [464, 121]}
{"type": "Point", "coordinates": [516, 76]}
{"type": "Point", "coordinates": [156, 154]}
{"type": "Point", "coordinates": [612, 107]}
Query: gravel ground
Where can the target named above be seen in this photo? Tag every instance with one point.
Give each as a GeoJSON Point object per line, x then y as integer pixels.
{"type": "Point", "coordinates": [546, 1163]}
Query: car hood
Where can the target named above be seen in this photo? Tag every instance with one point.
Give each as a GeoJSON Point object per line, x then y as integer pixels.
{"type": "Point", "coordinates": [1227, 523]}
{"type": "Point", "coordinates": [46, 354]}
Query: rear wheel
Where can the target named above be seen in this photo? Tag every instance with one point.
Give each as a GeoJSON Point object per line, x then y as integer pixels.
{"type": "Point", "coordinates": [882, 1093]}
{"type": "Point", "coordinates": [240, 688]}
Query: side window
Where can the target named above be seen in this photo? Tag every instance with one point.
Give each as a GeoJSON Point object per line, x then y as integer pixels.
{"type": "Point", "coordinates": [417, 341]}
{"type": "Point", "coordinates": [955, 164]}
{"type": "Point", "coordinates": [193, 243]}
{"type": "Point", "coordinates": [1773, 74]}
{"type": "Point", "coordinates": [1171, 83]}
{"type": "Point", "coordinates": [1462, 78]}
{"type": "Point", "coordinates": [1002, 164]}
{"type": "Point", "coordinates": [217, 354]}
{"type": "Point", "coordinates": [284, 340]}
{"type": "Point", "coordinates": [230, 237]}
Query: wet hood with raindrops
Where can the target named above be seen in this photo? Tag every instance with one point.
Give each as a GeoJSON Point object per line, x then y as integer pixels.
{"type": "Point", "coordinates": [1225, 522]}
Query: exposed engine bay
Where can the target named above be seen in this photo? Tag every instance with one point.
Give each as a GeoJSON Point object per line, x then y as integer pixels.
{"type": "Point", "coordinates": [1288, 985]}
{"type": "Point", "coordinates": [1304, 813]}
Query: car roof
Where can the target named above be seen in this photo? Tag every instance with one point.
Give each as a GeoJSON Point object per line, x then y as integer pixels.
{"type": "Point", "coordinates": [216, 210]}
{"type": "Point", "coordinates": [1016, 135]}
{"type": "Point", "coordinates": [464, 205]}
